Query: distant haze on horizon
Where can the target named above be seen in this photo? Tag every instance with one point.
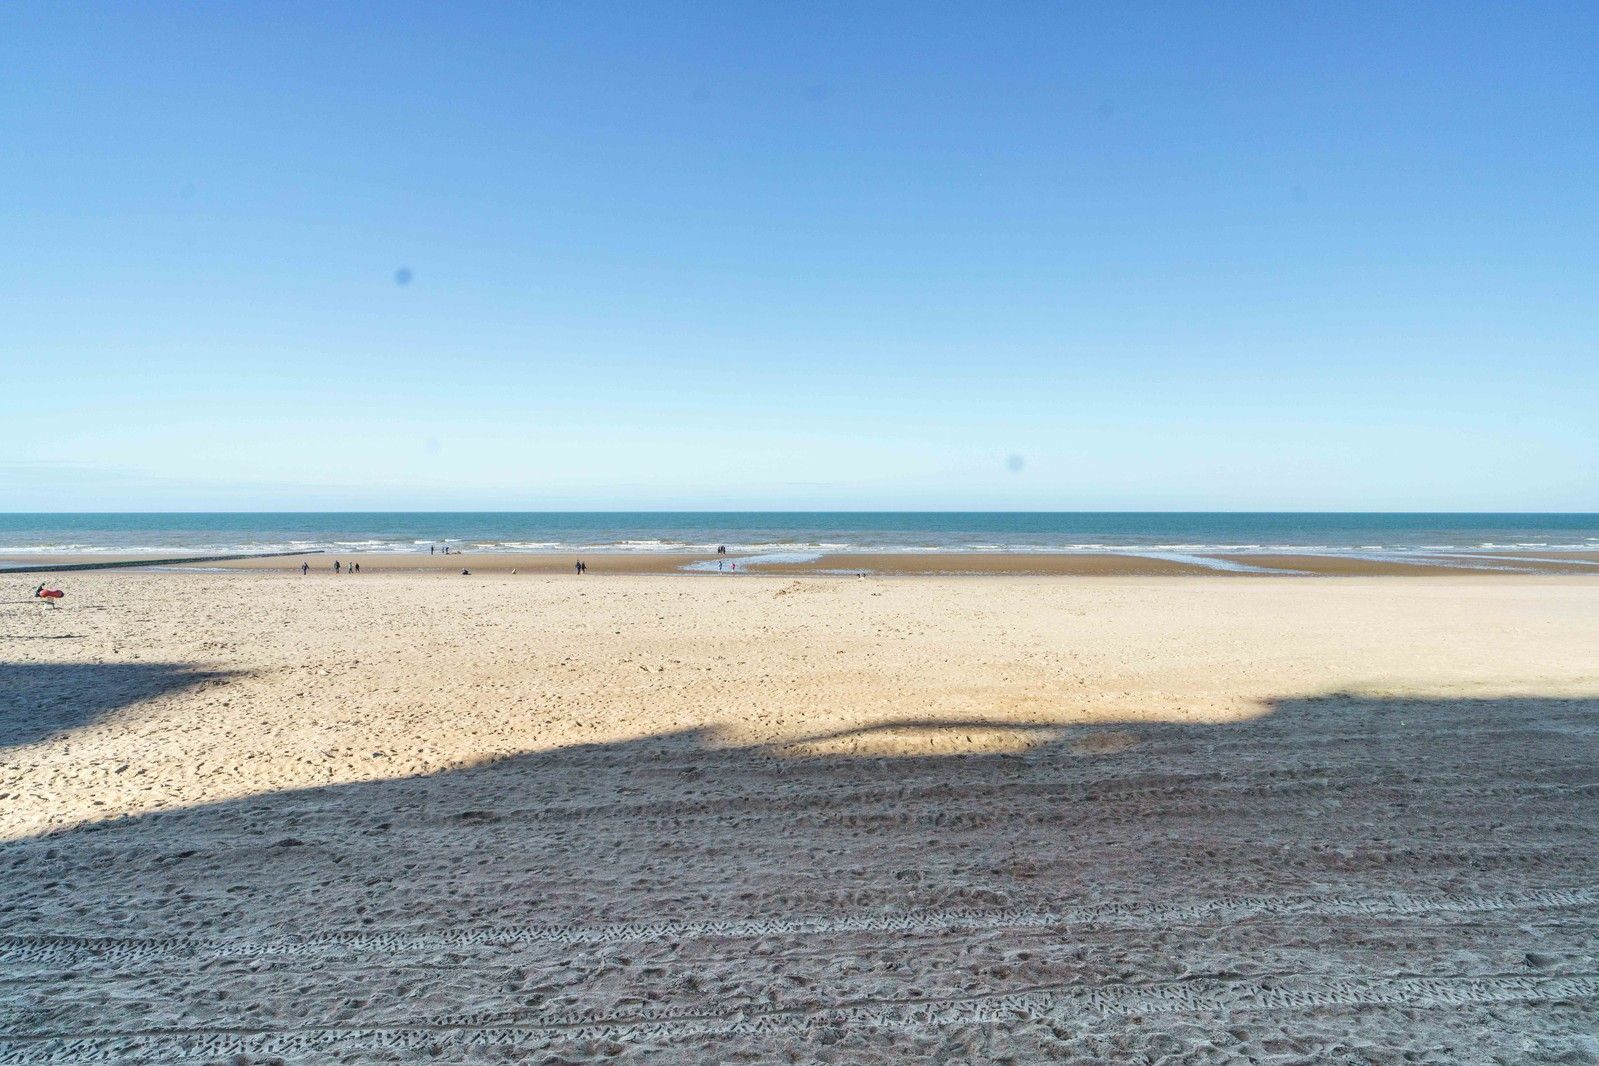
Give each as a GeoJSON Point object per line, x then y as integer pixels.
{"type": "Point", "coordinates": [1254, 257]}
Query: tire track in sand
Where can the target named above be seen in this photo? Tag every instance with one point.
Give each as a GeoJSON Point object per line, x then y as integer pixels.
{"type": "Point", "coordinates": [64, 948]}
{"type": "Point", "coordinates": [1059, 1005]}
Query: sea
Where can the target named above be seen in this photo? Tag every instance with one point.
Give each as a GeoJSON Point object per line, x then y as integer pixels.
{"type": "Point", "coordinates": [803, 532]}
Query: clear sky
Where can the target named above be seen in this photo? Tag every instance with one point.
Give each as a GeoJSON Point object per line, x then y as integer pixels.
{"type": "Point", "coordinates": [749, 255]}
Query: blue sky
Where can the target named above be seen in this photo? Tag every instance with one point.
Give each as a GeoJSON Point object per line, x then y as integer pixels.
{"type": "Point", "coordinates": [1052, 256]}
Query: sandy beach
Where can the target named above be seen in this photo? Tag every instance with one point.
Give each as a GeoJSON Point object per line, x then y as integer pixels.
{"type": "Point", "coordinates": [253, 817]}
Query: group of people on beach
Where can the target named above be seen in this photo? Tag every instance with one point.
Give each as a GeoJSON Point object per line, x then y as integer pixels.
{"type": "Point", "coordinates": [580, 566]}
{"type": "Point", "coordinates": [355, 568]}
{"type": "Point", "coordinates": [338, 568]}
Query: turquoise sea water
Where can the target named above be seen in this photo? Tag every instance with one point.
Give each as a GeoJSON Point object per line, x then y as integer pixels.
{"type": "Point", "coordinates": [799, 531]}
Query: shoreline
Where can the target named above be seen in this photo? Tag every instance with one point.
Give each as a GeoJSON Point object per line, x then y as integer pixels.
{"type": "Point", "coordinates": [847, 563]}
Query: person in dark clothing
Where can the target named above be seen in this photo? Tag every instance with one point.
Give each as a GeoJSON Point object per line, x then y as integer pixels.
{"type": "Point", "coordinates": [336, 566]}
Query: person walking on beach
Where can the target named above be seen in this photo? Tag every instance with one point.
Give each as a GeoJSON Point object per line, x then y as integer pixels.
{"type": "Point", "coordinates": [430, 549]}
{"type": "Point", "coordinates": [358, 568]}
{"type": "Point", "coordinates": [336, 566]}
{"type": "Point", "coordinates": [580, 568]}
{"type": "Point", "coordinates": [305, 568]}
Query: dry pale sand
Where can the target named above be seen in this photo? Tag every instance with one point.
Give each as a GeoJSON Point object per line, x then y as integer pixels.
{"type": "Point", "coordinates": [255, 817]}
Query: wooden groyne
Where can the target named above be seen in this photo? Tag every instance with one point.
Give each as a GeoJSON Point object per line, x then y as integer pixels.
{"type": "Point", "coordinates": [51, 568]}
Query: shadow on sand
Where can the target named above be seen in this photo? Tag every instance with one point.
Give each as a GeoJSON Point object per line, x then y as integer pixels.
{"type": "Point", "coordinates": [1343, 878]}
{"type": "Point", "coordinates": [38, 700]}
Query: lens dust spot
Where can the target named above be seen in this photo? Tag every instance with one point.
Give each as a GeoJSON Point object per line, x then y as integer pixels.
{"type": "Point", "coordinates": [403, 276]}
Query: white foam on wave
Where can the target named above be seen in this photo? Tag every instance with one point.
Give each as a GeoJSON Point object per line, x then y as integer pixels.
{"type": "Point", "coordinates": [42, 549]}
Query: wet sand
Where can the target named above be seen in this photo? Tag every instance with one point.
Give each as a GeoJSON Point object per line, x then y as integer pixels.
{"type": "Point", "coordinates": [382, 562]}
{"type": "Point", "coordinates": [253, 817]}
{"type": "Point", "coordinates": [948, 564]}
{"type": "Point", "coordinates": [970, 563]}
{"type": "Point", "coordinates": [1574, 563]}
